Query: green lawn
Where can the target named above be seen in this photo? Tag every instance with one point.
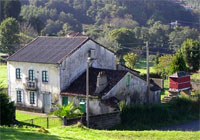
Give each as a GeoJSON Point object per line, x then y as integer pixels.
{"type": "Point", "coordinates": [76, 133]}
{"type": "Point", "coordinates": [37, 119]}
{"type": "Point", "coordinates": [21, 116]}
{"type": "Point", "coordinates": [141, 66]}
{"type": "Point", "coordinates": [3, 75]}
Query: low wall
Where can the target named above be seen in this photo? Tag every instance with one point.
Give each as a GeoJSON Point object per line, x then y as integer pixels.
{"type": "Point", "coordinates": [103, 121]}
{"type": "Point", "coordinates": [195, 86]}
{"type": "Point", "coordinates": [159, 82]}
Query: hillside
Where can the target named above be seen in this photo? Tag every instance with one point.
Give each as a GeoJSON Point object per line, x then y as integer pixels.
{"type": "Point", "coordinates": [118, 25]}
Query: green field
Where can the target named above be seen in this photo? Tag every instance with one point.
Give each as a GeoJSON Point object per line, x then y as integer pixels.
{"type": "Point", "coordinates": [37, 119]}
{"type": "Point", "coordinates": [3, 75]}
{"type": "Point", "coordinates": [76, 133]}
{"type": "Point", "coordinates": [141, 66]}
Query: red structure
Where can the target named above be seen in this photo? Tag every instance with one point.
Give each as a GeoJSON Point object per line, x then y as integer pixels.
{"type": "Point", "coordinates": [179, 81]}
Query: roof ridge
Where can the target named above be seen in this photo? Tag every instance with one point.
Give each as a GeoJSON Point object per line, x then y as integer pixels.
{"type": "Point", "coordinates": [64, 36]}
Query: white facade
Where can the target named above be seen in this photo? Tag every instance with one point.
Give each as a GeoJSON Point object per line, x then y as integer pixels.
{"type": "Point", "coordinates": [60, 76]}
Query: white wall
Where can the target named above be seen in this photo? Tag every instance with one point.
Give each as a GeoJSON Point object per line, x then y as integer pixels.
{"type": "Point", "coordinates": [135, 92]}
{"type": "Point", "coordinates": [14, 84]}
{"type": "Point", "coordinates": [75, 64]}
{"type": "Point", "coordinates": [95, 106]}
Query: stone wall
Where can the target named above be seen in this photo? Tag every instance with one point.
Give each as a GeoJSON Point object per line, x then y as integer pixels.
{"type": "Point", "coordinates": [103, 121]}
{"type": "Point", "coordinates": [159, 82]}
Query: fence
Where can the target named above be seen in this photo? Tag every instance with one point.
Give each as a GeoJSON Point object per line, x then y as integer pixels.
{"type": "Point", "coordinates": [46, 122]}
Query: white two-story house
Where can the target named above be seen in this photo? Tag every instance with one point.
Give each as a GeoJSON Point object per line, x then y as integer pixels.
{"type": "Point", "coordinates": [42, 74]}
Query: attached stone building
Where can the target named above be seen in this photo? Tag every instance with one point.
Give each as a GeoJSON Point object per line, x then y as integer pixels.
{"type": "Point", "coordinates": [51, 70]}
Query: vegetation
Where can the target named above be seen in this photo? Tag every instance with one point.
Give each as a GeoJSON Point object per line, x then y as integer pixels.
{"type": "Point", "coordinates": [130, 60]}
{"type": "Point", "coordinates": [163, 66]}
{"type": "Point", "coordinates": [191, 53]}
{"type": "Point", "coordinates": [74, 133]}
{"type": "Point", "coordinates": [118, 25]}
{"type": "Point", "coordinates": [9, 39]}
{"type": "Point", "coordinates": [7, 113]}
{"type": "Point", "coordinates": [159, 115]}
{"type": "Point", "coordinates": [69, 111]}
{"type": "Point", "coordinates": [3, 75]}
{"type": "Point", "coordinates": [178, 64]}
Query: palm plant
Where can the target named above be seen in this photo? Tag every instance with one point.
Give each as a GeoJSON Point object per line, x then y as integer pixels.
{"type": "Point", "coordinates": [68, 111]}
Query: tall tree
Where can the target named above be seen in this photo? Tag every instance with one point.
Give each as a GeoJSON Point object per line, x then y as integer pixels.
{"type": "Point", "coordinates": [178, 63]}
{"type": "Point", "coordinates": [12, 8]}
{"type": "Point", "coordinates": [191, 53]}
{"type": "Point", "coordinates": [9, 40]}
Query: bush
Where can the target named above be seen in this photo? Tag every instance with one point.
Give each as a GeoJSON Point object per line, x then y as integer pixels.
{"type": "Point", "coordinates": [7, 110]}
{"type": "Point", "coordinates": [152, 116]}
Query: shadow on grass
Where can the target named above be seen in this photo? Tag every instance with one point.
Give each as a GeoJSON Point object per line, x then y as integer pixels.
{"type": "Point", "coordinates": [23, 134]}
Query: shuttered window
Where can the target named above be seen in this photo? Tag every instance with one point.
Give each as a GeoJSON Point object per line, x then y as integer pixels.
{"type": "Point", "coordinates": [32, 97]}
{"type": "Point", "coordinates": [31, 75]}
{"type": "Point", "coordinates": [45, 76]}
{"type": "Point", "coordinates": [19, 96]}
{"type": "Point", "coordinates": [18, 73]}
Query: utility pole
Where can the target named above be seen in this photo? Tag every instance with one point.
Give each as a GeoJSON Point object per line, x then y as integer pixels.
{"type": "Point", "coordinates": [147, 59]}
{"type": "Point", "coordinates": [87, 91]}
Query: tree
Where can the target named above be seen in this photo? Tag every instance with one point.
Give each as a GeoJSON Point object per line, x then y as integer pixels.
{"type": "Point", "coordinates": [178, 64]}
{"type": "Point", "coordinates": [7, 109]}
{"type": "Point", "coordinates": [130, 60]}
{"type": "Point", "coordinates": [163, 66]}
{"type": "Point", "coordinates": [68, 111]}
{"type": "Point", "coordinates": [191, 53]}
{"type": "Point", "coordinates": [2, 4]}
{"type": "Point", "coordinates": [9, 40]}
{"type": "Point", "coordinates": [12, 8]}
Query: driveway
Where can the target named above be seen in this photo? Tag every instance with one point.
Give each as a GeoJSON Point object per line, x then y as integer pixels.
{"type": "Point", "coordinates": [190, 126]}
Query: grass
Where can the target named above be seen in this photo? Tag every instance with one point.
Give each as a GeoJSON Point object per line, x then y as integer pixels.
{"type": "Point", "coordinates": [37, 119]}
{"type": "Point", "coordinates": [22, 116]}
{"type": "Point", "coordinates": [76, 133]}
{"type": "Point", "coordinates": [3, 75]}
{"type": "Point", "coordinates": [141, 66]}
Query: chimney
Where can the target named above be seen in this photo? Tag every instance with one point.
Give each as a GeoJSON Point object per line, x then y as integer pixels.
{"type": "Point", "coordinates": [102, 82]}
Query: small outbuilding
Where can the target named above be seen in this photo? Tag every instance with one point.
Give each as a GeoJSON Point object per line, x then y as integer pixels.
{"type": "Point", "coordinates": [179, 81]}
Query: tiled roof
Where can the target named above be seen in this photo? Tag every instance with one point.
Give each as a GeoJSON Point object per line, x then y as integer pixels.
{"type": "Point", "coordinates": [48, 49]}
{"type": "Point", "coordinates": [79, 85]}
{"type": "Point", "coordinates": [179, 74]}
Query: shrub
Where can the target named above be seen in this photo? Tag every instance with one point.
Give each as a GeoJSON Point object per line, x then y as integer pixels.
{"type": "Point", "coordinates": [7, 110]}
{"type": "Point", "coordinates": [151, 116]}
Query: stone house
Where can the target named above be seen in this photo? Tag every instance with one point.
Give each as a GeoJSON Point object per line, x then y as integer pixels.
{"type": "Point", "coordinates": [51, 70]}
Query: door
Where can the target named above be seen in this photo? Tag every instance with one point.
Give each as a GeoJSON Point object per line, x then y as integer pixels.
{"type": "Point", "coordinates": [64, 100]}
{"type": "Point", "coordinates": [47, 102]}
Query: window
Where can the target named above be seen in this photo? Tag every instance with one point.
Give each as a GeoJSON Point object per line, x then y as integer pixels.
{"type": "Point", "coordinates": [32, 97]}
{"type": "Point", "coordinates": [18, 73]}
{"type": "Point", "coordinates": [82, 105]}
{"type": "Point", "coordinates": [127, 80]}
{"type": "Point", "coordinates": [19, 96]}
{"type": "Point", "coordinates": [45, 76]}
{"type": "Point", "coordinates": [31, 75]}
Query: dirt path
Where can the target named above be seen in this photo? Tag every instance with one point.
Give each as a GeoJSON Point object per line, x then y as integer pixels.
{"type": "Point", "coordinates": [190, 126]}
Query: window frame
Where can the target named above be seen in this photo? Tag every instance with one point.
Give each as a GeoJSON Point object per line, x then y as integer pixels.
{"type": "Point", "coordinates": [18, 73]}
{"type": "Point", "coordinates": [31, 75]}
{"type": "Point", "coordinates": [19, 96]}
{"type": "Point", "coordinates": [32, 97]}
{"type": "Point", "coordinates": [45, 77]}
